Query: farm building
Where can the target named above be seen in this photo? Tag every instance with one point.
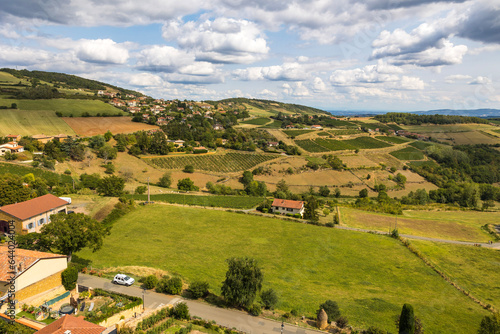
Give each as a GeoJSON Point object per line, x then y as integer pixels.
{"type": "Point", "coordinates": [285, 206]}
{"type": "Point", "coordinates": [12, 147]}
{"type": "Point", "coordinates": [37, 274]}
{"type": "Point", "coordinates": [29, 216]}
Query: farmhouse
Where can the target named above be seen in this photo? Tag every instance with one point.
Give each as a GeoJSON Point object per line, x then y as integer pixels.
{"type": "Point", "coordinates": [12, 147]}
{"type": "Point", "coordinates": [37, 274]}
{"type": "Point", "coordinates": [13, 137]}
{"type": "Point", "coordinates": [285, 206]}
{"type": "Point", "coordinates": [29, 216]}
{"type": "Point", "coordinates": [42, 138]}
{"type": "Point", "coordinates": [317, 127]}
{"type": "Point", "coordinates": [71, 324]}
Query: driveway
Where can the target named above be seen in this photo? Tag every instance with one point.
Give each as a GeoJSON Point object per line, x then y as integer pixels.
{"type": "Point", "coordinates": [225, 317]}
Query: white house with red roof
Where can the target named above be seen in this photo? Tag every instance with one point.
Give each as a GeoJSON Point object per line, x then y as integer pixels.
{"type": "Point", "coordinates": [12, 147]}
{"type": "Point", "coordinates": [37, 275]}
{"type": "Point", "coordinates": [29, 216]}
{"type": "Point", "coordinates": [69, 324]}
{"type": "Point", "coordinates": [284, 206]}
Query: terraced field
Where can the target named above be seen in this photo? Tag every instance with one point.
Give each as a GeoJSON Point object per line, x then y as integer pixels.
{"type": "Point", "coordinates": [230, 162]}
{"type": "Point", "coordinates": [325, 145]}
{"type": "Point", "coordinates": [393, 140]}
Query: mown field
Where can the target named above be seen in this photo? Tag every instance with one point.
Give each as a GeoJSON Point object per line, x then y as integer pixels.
{"type": "Point", "coordinates": [232, 202]}
{"type": "Point", "coordinates": [67, 107]}
{"type": "Point", "coordinates": [475, 269]}
{"type": "Point", "coordinates": [449, 225]}
{"type": "Point", "coordinates": [230, 162]}
{"type": "Point", "coordinates": [31, 122]}
{"type": "Point", "coordinates": [257, 121]}
{"type": "Point", "coordinates": [370, 276]}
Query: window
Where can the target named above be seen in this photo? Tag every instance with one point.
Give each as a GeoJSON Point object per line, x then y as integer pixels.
{"type": "Point", "coordinates": [30, 226]}
{"type": "Point", "coordinates": [288, 209]}
{"type": "Point", "coordinates": [41, 221]}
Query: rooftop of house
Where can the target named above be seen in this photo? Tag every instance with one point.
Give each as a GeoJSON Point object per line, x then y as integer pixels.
{"type": "Point", "coordinates": [287, 203]}
{"type": "Point", "coordinates": [33, 207]}
{"type": "Point", "coordinates": [25, 258]}
{"type": "Point", "coordinates": [76, 325]}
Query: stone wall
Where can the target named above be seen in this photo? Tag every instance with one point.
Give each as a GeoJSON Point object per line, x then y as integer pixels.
{"type": "Point", "coordinates": [41, 286]}
{"type": "Point", "coordinates": [117, 317]}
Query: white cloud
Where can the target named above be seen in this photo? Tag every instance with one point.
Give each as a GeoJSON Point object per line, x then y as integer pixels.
{"type": "Point", "coordinates": [267, 93]}
{"type": "Point", "coordinates": [319, 85]}
{"type": "Point", "coordinates": [480, 80]}
{"type": "Point", "coordinates": [285, 72]}
{"type": "Point", "coordinates": [145, 80]}
{"type": "Point", "coordinates": [445, 54]}
{"type": "Point", "coordinates": [457, 77]}
{"type": "Point", "coordinates": [222, 40]}
{"type": "Point", "coordinates": [101, 51]}
{"type": "Point", "coordinates": [296, 89]}
{"type": "Point", "coordinates": [23, 56]}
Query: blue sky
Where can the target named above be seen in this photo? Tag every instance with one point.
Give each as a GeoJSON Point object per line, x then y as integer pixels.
{"type": "Point", "coordinates": [332, 54]}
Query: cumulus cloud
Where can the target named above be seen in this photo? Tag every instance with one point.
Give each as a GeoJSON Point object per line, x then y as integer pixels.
{"type": "Point", "coordinates": [457, 77]}
{"type": "Point", "coordinates": [145, 80]}
{"type": "Point", "coordinates": [221, 40]}
{"type": "Point", "coordinates": [480, 80]}
{"type": "Point", "coordinates": [446, 54]}
{"type": "Point", "coordinates": [296, 89]}
{"type": "Point", "coordinates": [22, 56]}
{"type": "Point", "coordinates": [267, 93]}
{"type": "Point", "coordinates": [101, 51]}
{"type": "Point", "coordinates": [285, 72]}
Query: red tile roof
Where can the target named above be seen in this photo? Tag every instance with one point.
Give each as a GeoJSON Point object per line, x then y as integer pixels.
{"type": "Point", "coordinates": [26, 257]}
{"type": "Point", "coordinates": [75, 324]}
{"type": "Point", "coordinates": [286, 203]}
{"type": "Point", "coordinates": [33, 207]}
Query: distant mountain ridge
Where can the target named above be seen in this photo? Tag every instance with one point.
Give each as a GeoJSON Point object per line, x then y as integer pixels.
{"type": "Point", "coordinates": [483, 113]}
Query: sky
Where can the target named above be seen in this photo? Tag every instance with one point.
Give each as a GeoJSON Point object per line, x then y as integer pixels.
{"type": "Point", "coordinates": [380, 55]}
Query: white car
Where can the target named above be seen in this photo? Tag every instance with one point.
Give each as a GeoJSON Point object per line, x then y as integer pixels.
{"type": "Point", "coordinates": [123, 280]}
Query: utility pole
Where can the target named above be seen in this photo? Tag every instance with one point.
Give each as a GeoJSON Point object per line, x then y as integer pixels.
{"type": "Point", "coordinates": [148, 192]}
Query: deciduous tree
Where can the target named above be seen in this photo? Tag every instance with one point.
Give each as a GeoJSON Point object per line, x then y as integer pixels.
{"type": "Point", "coordinates": [243, 281]}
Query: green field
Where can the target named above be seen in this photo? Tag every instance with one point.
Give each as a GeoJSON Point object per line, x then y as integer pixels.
{"type": "Point", "coordinates": [344, 132]}
{"type": "Point", "coordinates": [367, 143]}
{"type": "Point", "coordinates": [230, 162]}
{"type": "Point", "coordinates": [232, 202]}
{"type": "Point", "coordinates": [370, 276]}
{"type": "Point", "coordinates": [408, 153]}
{"type": "Point", "coordinates": [311, 146]}
{"type": "Point", "coordinates": [67, 107]}
{"type": "Point", "coordinates": [31, 122]}
{"type": "Point", "coordinates": [420, 145]}
{"type": "Point", "coordinates": [274, 125]}
{"type": "Point", "coordinates": [475, 269]}
{"type": "Point", "coordinates": [393, 140]}
{"type": "Point", "coordinates": [257, 121]}
{"type": "Point", "coordinates": [334, 145]}
{"type": "Point", "coordinates": [295, 133]}
{"type": "Point", "coordinates": [423, 163]}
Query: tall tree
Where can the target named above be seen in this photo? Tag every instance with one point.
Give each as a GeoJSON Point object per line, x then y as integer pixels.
{"type": "Point", "coordinates": [310, 209]}
{"type": "Point", "coordinates": [12, 190]}
{"type": "Point", "coordinates": [111, 186]}
{"type": "Point", "coordinates": [243, 281]}
{"type": "Point", "coordinates": [69, 233]}
{"type": "Point", "coordinates": [407, 320]}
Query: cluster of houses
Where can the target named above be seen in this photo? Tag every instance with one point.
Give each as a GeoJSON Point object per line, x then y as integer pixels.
{"type": "Point", "coordinates": [12, 146]}
{"type": "Point", "coordinates": [405, 133]}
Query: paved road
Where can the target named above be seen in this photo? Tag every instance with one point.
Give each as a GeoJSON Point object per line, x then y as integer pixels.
{"type": "Point", "coordinates": [229, 318]}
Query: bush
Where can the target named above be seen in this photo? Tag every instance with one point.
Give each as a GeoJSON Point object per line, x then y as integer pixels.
{"type": "Point", "coordinates": [342, 322]}
{"type": "Point", "coordinates": [198, 289]}
{"type": "Point", "coordinates": [140, 190]}
{"type": "Point", "coordinates": [255, 310]}
{"type": "Point", "coordinates": [150, 282]}
{"type": "Point", "coordinates": [269, 299]}
{"type": "Point", "coordinates": [171, 286]}
{"type": "Point", "coordinates": [188, 169]}
{"type": "Point", "coordinates": [294, 312]}
{"type": "Point", "coordinates": [165, 181]}
{"type": "Point", "coordinates": [373, 330]}
{"type": "Point", "coordinates": [331, 308]}
{"type": "Point", "coordinates": [180, 311]}
{"type": "Point", "coordinates": [69, 277]}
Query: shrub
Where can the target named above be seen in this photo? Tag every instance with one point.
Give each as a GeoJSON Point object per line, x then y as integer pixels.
{"type": "Point", "coordinates": [188, 169]}
{"type": "Point", "coordinates": [150, 282]}
{"type": "Point", "coordinates": [294, 312]}
{"type": "Point", "coordinates": [171, 286]}
{"type": "Point", "coordinates": [255, 310]}
{"type": "Point", "coordinates": [180, 311]}
{"type": "Point", "coordinates": [331, 308]}
{"type": "Point", "coordinates": [140, 190]}
{"type": "Point", "coordinates": [67, 172]}
{"type": "Point", "coordinates": [342, 322]}
{"type": "Point", "coordinates": [269, 298]}
{"type": "Point", "coordinates": [373, 330]}
{"type": "Point", "coordinates": [69, 277]}
{"type": "Point", "coordinates": [198, 289]}
{"type": "Point", "coordinates": [165, 181]}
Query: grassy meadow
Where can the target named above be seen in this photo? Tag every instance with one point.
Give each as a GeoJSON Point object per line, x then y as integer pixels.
{"type": "Point", "coordinates": [475, 269]}
{"type": "Point", "coordinates": [370, 276]}
{"type": "Point", "coordinates": [233, 202]}
{"type": "Point", "coordinates": [30, 122]}
{"type": "Point", "coordinates": [67, 107]}
{"type": "Point", "coordinates": [448, 225]}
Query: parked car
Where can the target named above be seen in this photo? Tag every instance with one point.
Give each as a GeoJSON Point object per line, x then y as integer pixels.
{"type": "Point", "coordinates": [123, 280]}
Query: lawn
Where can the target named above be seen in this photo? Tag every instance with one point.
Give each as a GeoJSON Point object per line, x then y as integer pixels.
{"type": "Point", "coordinates": [234, 202]}
{"type": "Point", "coordinates": [30, 122]}
{"type": "Point", "coordinates": [475, 269]}
{"type": "Point", "coordinates": [449, 225]}
{"type": "Point", "coordinates": [408, 153]}
{"type": "Point", "coordinates": [370, 276]}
